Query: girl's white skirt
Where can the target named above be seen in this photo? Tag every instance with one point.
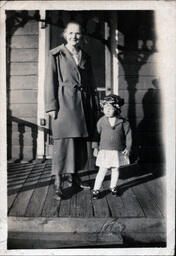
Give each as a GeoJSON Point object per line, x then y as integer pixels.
{"type": "Point", "coordinates": [111, 158]}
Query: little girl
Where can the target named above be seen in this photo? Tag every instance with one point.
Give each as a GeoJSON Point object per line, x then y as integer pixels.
{"type": "Point", "coordinates": [115, 143]}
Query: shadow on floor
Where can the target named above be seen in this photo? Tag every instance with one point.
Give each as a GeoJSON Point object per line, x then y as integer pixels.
{"type": "Point", "coordinates": [140, 172]}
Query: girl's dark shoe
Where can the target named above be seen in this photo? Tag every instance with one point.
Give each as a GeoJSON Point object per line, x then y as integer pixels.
{"type": "Point", "coordinates": [115, 191]}
{"type": "Point", "coordinates": [95, 194]}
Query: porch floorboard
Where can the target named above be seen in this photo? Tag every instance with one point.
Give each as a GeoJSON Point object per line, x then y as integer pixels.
{"type": "Point", "coordinates": [31, 194]}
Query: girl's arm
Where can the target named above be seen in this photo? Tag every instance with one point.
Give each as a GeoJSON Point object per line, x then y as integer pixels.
{"type": "Point", "coordinates": [95, 145]}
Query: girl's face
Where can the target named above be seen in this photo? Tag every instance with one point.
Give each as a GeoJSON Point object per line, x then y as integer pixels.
{"type": "Point", "coordinates": [73, 34]}
{"type": "Point", "coordinates": [109, 110]}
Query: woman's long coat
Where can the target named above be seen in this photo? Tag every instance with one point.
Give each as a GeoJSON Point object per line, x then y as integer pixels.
{"type": "Point", "coordinates": [69, 90]}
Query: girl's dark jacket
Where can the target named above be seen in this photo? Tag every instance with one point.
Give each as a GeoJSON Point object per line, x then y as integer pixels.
{"type": "Point", "coordinates": [69, 90]}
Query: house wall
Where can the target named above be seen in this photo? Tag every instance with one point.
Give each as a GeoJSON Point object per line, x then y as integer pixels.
{"type": "Point", "coordinates": [22, 69]}
{"type": "Point", "coordinates": [139, 82]}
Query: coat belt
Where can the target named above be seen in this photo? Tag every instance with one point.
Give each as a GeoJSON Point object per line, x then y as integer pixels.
{"type": "Point", "coordinates": [79, 87]}
{"type": "Point", "coordinates": [76, 86]}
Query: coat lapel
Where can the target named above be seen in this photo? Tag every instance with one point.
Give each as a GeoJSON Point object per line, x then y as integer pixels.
{"type": "Point", "coordinates": [82, 61]}
{"type": "Point", "coordinates": [71, 59]}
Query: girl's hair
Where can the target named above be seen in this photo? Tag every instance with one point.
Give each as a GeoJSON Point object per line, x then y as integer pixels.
{"type": "Point", "coordinates": [115, 100]}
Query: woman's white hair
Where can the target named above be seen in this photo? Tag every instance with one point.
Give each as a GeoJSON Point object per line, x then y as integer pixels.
{"type": "Point", "coordinates": [73, 22]}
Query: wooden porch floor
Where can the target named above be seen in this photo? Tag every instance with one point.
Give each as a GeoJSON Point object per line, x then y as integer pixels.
{"type": "Point", "coordinates": [30, 194]}
{"type": "Point", "coordinates": [36, 220]}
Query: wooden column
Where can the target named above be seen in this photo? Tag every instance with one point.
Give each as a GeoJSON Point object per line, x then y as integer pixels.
{"type": "Point", "coordinates": [108, 67]}
{"type": "Point", "coordinates": [3, 137]}
{"type": "Point", "coordinates": [43, 52]}
{"type": "Point", "coordinates": [114, 52]}
{"type": "Point", "coordinates": [3, 106]}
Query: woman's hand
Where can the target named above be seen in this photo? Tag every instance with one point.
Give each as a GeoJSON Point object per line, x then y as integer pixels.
{"type": "Point", "coordinates": [53, 114]}
{"type": "Point", "coordinates": [95, 152]}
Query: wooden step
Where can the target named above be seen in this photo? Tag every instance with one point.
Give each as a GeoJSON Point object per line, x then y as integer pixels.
{"type": "Point", "coordinates": [60, 232]}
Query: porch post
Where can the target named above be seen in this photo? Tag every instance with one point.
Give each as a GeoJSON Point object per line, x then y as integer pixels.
{"type": "Point", "coordinates": [3, 129]}
{"type": "Point", "coordinates": [43, 47]}
{"type": "Point", "coordinates": [108, 66]}
{"type": "Point", "coordinates": [3, 104]}
{"type": "Point", "coordinates": [114, 52]}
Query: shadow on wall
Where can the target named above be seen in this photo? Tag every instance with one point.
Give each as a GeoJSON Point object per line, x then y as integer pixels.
{"type": "Point", "coordinates": [149, 137]}
{"type": "Point", "coordinates": [137, 44]}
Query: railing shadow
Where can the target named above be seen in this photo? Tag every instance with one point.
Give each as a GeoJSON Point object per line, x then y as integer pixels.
{"type": "Point", "coordinates": [22, 125]}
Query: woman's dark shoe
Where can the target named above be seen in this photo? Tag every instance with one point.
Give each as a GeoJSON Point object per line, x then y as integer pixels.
{"type": "Point", "coordinates": [57, 188]}
{"type": "Point", "coordinates": [95, 194]}
{"type": "Point", "coordinates": [58, 192]}
{"type": "Point", "coordinates": [77, 181]}
{"type": "Point", "coordinates": [69, 179]}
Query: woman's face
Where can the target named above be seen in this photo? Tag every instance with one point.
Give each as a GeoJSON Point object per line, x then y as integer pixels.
{"type": "Point", "coordinates": [109, 110]}
{"type": "Point", "coordinates": [73, 34]}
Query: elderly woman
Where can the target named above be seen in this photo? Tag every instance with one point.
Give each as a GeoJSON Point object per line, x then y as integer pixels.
{"type": "Point", "coordinates": [70, 100]}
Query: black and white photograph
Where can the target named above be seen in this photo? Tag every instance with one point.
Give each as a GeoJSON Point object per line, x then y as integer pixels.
{"type": "Point", "coordinates": [88, 127]}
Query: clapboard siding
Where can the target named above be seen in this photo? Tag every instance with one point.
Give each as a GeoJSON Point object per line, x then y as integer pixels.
{"type": "Point", "coordinates": [135, 57]}
{"type": "Point", "coordinates": [29, 120]}
{"type": "Point", "coordinates": [24, 110]}
{"type": "Point", "coordinates": [28, 129]}
{"type": "Point", "coordinates": [24, 55]}
{"type": "Point", "coordinates": [23, 68]}
{"type": "Point", "coordinates": [26, 150]}
{"type": "Point", "coordinates": [23, 96]}
{"type": "Point", "coordinates": [137, 111]}
{"type": "Point", "coordinates": [26, 138]}
{"type": "Point", "coordinates": [30, 28]}
{"type": "Point", "coordinates": [23, 82]}
{"type": "Point", "coordinates": [148, 69]}
{"type": "Point", "coordinates": [154, 125]}
{"type": "Point", "coordinates": [140, 82]}
{"type": "Point", "coordinates": [22, 91]}
{"type": "Point", "coordinates": [139, 96]}
{"type": "Point", "coordinates": [24, 41]}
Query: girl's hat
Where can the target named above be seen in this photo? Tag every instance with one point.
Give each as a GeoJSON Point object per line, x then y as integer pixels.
{"type": "Point", "coordinates": [115, 100]}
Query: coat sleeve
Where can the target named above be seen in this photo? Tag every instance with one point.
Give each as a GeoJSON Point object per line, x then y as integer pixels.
{"type": "Point", "coordinates": [94, 101]}
{"type": "Point", "coordinates": [51, 85]}
{"type": "Point", "coordinates": [128, 135]}
{"type": "Point", "coordinates": [94, 92]}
